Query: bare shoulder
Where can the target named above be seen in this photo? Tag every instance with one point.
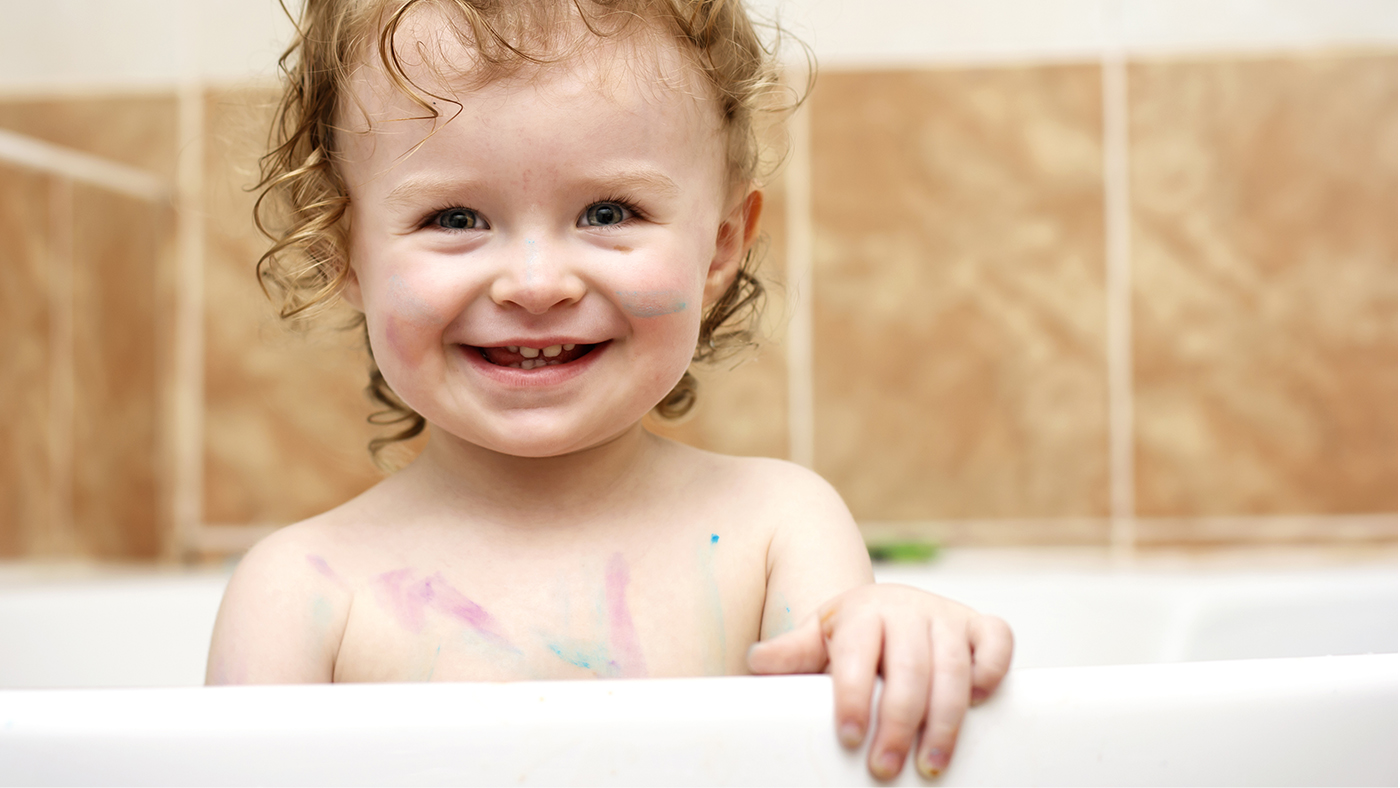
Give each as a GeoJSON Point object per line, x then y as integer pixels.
{"type": "Point", "coordinates": [284, 610]}
{"type": "Point", "coordinates": [783, 489]}
{"type": "Point", "coordinates": [787, 501]}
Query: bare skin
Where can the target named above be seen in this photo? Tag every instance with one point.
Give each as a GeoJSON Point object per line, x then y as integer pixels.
{"type": "Point", "coordinates": [413, 582]}
{"type": "Point", "coordinates": [533, 274]}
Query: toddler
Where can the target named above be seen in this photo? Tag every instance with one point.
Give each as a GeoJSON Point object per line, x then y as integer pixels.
{"type": "Point", "coordinates": [542, 209]}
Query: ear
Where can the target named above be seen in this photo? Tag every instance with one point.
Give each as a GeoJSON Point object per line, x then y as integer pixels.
{"type": "Point", "coordinates": [737, 233]}
{"type": "Point", "coordinates": [350, 289]}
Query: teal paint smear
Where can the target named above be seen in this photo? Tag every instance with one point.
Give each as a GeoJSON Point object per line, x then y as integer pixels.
{"type": "Point", "coordinates": [715, 659]}
{"type": "Point", "coordinates": [651, 303]}
{"type": "Point", "coordinates": [321, 612]}
{"type": "Point", "coordinates": [587, 655]}
{"type": "Point", "coordinates": [433, 669]}
{"type": "Point", "coordinates": [783, 622]}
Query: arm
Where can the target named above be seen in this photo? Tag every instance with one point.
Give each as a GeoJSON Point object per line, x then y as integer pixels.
{"type": "Point", "coordinates": [936, 655]}
{"type": "Point", "coordinates": [282, 616]}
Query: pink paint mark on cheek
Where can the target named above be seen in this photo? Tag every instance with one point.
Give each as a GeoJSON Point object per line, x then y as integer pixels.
{"type": "Point", "coordinates": [651, 303]}
{"type": "Point", "coordinates": [626, 647]}
{"type": "Point", "coordinates": [404, 303]}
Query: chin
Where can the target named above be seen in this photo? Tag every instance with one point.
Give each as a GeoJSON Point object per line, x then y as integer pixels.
{"type": "Point", "coordinates": [537, 442]}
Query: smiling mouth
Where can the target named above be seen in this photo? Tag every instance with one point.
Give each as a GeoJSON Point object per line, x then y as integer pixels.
{"type": "Point", "coordinates": [523, 357]}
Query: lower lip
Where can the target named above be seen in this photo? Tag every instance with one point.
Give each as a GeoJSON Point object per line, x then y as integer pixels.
{"type": "Point", "coordinates": [537, 378]}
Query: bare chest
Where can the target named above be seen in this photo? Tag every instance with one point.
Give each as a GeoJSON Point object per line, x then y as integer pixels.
{"type": "Point", "coordinates": [688, 608]}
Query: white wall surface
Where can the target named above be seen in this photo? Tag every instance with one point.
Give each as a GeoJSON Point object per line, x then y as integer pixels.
{"type": "Point", "coordinates": [82, 44]}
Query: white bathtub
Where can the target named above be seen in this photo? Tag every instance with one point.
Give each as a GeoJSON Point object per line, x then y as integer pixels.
{"type": "Point", "coordinates": [1143, 678]}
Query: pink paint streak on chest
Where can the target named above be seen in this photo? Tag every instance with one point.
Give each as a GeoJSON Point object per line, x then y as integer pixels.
{"type": "Point", "coordinates": [410, 599]}
{"type": "Point", "coordinates": [625, 646]}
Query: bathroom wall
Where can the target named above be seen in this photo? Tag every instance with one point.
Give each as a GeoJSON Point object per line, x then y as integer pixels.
{"type": "Point", "coordinates": [1081, 272]}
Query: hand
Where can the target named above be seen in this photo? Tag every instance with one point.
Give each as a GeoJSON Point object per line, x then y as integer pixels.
{"type": "Point", "coordinates": [936, 655]}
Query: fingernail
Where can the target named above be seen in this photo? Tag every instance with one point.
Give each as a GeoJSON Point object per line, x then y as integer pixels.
{"type": "Point", "coordinates": [887, 765]}
{"type": "Point", "coordinates": [851, 734]}
{"type": "Point", "coordinates": [933, 762]}
{"type": "Point", "coordinates": [978, 695]}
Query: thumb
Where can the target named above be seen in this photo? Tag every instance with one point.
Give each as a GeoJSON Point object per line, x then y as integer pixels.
{"type": "Point", "coordinates": [803, 650]}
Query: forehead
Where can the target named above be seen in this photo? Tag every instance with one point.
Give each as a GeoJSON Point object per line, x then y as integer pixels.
{"type": "Point", "coordinates": [434, 66]}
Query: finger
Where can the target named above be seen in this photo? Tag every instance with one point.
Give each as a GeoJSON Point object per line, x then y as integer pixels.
{"type": "Point", "coordinates": [907, 663]}
{"type": "Point", "coordinates": [992, 646]}
{"type": "Point", "coordinates": [952, 669]}
{"type": "Point", "coordinates": [854, 648]}
{"type": "Point", "coordinates": [803, 650]}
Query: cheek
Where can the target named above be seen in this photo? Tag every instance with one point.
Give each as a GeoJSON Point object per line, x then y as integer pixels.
{"type": "Point", "coordinates": [654, 303]}
{"type": "Point", "coordinates": [662, 289]}
{"type": "Point", "coordinates": [407, 321]}
{"type": "Point", "coordinates": [403, 302]}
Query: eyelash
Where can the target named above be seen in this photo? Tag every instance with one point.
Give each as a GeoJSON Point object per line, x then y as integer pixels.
{"type": "Point", "coordinates": [627, 204]}
{"type": "Point", "coordinates": [431, 220]}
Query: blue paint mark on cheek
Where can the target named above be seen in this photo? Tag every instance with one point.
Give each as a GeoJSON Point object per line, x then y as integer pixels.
{"type": "Point", "coordinates": [651, 303]}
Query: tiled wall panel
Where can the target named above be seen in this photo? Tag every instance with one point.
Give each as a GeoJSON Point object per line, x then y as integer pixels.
{"type": "Point", "coordinates": [959, 295]}
{"type": "Point", "coordinates": [138, 130]}
{"type": "Point", "coordinates": [1264, 265]}
{"type": "Point", "coordinates": [25, 361]}
{"type": "Point", "coordinates": [117, 246]}
{"type": "Point", "coordinates": [284, 427]}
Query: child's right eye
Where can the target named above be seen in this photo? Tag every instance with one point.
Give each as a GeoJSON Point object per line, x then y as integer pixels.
{"type": "Point", "coordinates": [459, 219]}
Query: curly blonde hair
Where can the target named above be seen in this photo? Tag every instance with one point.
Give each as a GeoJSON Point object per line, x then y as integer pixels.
{"type": "Point", "coordinates": [302, 199]}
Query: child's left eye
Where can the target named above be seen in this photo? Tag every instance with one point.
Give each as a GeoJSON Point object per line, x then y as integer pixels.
{"type": "Point", "coordinates": [603, 214]}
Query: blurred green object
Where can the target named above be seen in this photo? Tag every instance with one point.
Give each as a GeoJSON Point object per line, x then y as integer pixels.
{"type": "Point", "coordinates": [903, 552]}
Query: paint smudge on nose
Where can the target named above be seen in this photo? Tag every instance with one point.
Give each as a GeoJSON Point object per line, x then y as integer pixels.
{"type": "Point", "coordinates": [651, 303]}
{"type": "Point", "coordinates": [622, 634]}
{"type": "Point", "coordinates": [410, 599]}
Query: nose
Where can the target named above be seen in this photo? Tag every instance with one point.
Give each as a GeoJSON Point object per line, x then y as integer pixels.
{"type": "Point", "coordinates": [536, 279]}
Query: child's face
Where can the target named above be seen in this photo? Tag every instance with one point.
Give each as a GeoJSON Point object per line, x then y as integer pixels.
{"type": "Point", "coordinates": [533, 271]}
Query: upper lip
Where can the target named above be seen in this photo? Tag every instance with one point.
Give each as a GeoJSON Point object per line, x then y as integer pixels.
{"type": "Point", "coordinates": [539, 342]}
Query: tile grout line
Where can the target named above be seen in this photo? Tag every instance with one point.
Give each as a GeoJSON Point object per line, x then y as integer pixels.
{"type": "Point", "coordinates": [798, 180]}
{"type": "Point", "coordinates": [187, 471]}
{"type": "Point", "coordinates": [1118, 287]}
{"type": "Point", "coordinates": [62, 384]}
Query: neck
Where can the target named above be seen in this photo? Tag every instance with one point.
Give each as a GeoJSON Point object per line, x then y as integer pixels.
{"type": "Point", "coordinates": [535, 491]}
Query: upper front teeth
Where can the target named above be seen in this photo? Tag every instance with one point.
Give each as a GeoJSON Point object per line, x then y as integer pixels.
{"type": "Point", "coordinates": [552, 351]}
{"type": "Point", "coordinates": [528, 352]}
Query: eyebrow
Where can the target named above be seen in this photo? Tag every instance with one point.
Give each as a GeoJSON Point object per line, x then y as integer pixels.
{"type": "Point", "coordinates": [429, 187]}
{"type": "Point", "coordinates": [437, 187]}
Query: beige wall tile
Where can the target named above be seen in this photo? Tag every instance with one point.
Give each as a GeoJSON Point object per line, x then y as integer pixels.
{"type": "Point", "coordinates": [1264, 265]}
{"type": "Point", "coordinates": [285, 430]}
{"type": "Point", "coordinates": [24, 365]}
{"type": "Point", "coordinates": [742, 403]}
{"type": "Point", "coordinates": [959, 297]}
{"type": "Point", "coordinates": [134, 130]}
{"type": "Point", "coordinates": [117, 242]}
